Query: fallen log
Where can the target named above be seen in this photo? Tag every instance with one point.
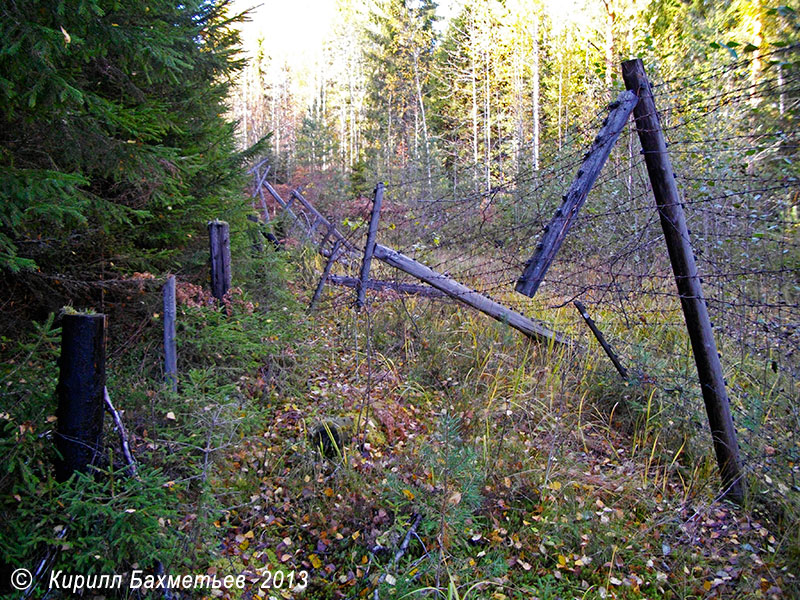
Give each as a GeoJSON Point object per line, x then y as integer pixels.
{"type": "Point", "coordinates": [470, 297]}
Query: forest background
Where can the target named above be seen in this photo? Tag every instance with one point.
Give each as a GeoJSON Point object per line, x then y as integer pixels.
{"type": "Point", "coordinates": [466, 96]}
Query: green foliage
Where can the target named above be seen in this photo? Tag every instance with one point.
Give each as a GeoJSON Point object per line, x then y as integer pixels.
{"type": "Point", "coordinates": [106, 519]}
{"type": "Point", "coordinates": [316, 144]}
{"type": "Point", "coordinates": [448, 503]}
{"type": "Point", "coordinates": [359, 185]}
{"type": "Point", "coordinates": [112, 128]}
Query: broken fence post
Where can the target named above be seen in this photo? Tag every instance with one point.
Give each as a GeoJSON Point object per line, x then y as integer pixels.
{"type": "Point", "coordinates": [467, 296]}
{"type": "Point", "coordinates": [556, 231]}
{"type": "Point", "coordinates": [369, 248]}
{"type": "Point", "coordinates": [601, 338]}
{"type": "Point", "coordinates": [681, 256]}
{"type": "Point", "coordinates": [220, 245]}
{"type": "Point", "coordinates": [170, 351]}
{"type": "Point", "coordinates": [410, 289]}
{"type": "Point", "coordinates": [81, 381]}
{"type": "Point", "coordinates": [325, 273]}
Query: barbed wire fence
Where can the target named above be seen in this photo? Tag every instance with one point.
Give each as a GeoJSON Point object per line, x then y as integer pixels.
{"type": "Point", "coordinates": [733, 139]}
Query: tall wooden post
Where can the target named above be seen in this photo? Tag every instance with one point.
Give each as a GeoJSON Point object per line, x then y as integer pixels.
{"type": "Point", "coordinates": [81, 381]}
{"type": "Point", "coordinates": [170, 352]}
{"type": "Point", "coordinates": [673, 223]}
{"type": "Point", "coordinates": [220, 245]}
{"type": "Point", "coordinates": [370, 247]}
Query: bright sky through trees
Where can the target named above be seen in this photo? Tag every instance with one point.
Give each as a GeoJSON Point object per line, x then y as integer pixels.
{"type": "Point", "coordinates": [295, 33]}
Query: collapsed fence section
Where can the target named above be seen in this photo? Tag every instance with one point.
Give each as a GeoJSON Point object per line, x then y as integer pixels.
{"type": "Point", "coordinates": [733, 143]}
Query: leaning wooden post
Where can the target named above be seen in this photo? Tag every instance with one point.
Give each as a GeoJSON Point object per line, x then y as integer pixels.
{"type": "Point", "coordinates": [602, 339]}
{"type": "Point", "coordinates": [170, 353]}
{"type": "Point", "coordinates": [556, 231]}
{"type": "Point", "coordinates": [695, 312]}
{"type": "Point", "coordinates": [220, 245]}
{"type": "Point", "coordinates": [468, 296]}
{"type": "Point", "coordinates": [370, 247]}
{"type": "Point", "coordinates": [81, 381]}
{"type": "Point", "coordinates": [259, 184]}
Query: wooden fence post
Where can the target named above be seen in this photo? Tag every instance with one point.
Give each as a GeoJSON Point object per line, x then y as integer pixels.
{"type": "Point", "coordinates": [220, 245]}
{"type": "Point", "coordinates": [170, 353]}
{"type": "Point", "coordinates": [259, 181]}
{"type": "Point", "coordinates": [81, 381]}
{"type": "Point", "coordinates": [673, 223]}
{"type": "Point", "coordinates": [601, 338]}
{"type": "Point", "coordinates": [467, 296]}
{"type": "Point", "coordinates": [361, 298]}
{"type": "Point", "coordinates": [556, 231]}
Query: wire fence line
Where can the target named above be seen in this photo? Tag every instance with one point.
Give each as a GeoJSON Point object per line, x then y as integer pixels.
{"type": "Point", "coordinates": [733, 142]}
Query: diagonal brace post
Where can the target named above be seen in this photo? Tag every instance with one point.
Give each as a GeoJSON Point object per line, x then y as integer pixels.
{"type": "Point", "coordinates": [593, 161]}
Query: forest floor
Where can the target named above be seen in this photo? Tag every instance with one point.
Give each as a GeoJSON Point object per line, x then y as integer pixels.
{"type": "Point", "coordinates": [474, 463]}
{"type": "Point", "coordinates": [413, 449]}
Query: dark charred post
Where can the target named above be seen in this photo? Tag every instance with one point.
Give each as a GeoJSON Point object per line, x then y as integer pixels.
{"type": "Point", "coordinates": [170, 352]}
{"type": "Point", "coordinates": [81, 381]}
{"type": "Point", "coordinates": [361, 291]}
{"type": "Point", "coordinates": [673, 223]}
{"type": "Point", "coordinates": [325, 273]}
{"type": "Point", "coordinates": [468, 296]}
{"type": "Point", "coordinates": [220, 245]}
{"type": "Point", "coordinates": [601, 338]}
{"type": "Point", "coordinates": [556, 231]}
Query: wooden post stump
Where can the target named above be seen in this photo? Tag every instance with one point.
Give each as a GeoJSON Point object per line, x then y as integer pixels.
{"type": "Point", "coordinates": [81, 381]}
{"type": "Point", "coordinates": [220, 246]}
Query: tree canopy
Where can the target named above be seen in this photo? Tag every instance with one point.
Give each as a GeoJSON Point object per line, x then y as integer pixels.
{"type": "Point", "coordinates": [114, 143]}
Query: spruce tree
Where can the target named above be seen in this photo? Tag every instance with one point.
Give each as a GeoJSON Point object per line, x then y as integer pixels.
{"type": "Point", "coordinates": [113, 141]}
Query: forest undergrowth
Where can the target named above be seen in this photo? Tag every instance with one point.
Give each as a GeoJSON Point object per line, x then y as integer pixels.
{"type": "Point", "coordinates": [484, 465]}
{"type": "Point", "coordinates": [413, 449]}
